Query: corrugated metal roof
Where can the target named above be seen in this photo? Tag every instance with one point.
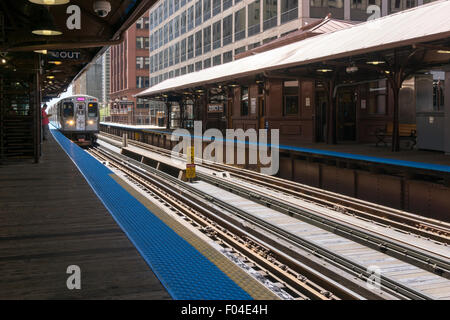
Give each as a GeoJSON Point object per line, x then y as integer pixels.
{"type": "Point", "coordinates": [424, 23]}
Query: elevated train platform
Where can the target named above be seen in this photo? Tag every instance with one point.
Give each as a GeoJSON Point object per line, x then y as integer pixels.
{"type": "Point", "coordinates": [71, 210]}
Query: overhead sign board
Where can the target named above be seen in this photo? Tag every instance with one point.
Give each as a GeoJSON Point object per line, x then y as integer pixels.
{"type": "Point", "coordinates": [64, 54]}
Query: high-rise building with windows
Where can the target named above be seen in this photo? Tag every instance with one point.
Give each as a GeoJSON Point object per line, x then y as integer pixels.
{"type": "Point", "coordinates": [190, 35]}
{"type": "Point", "coordinates": [129, 74]}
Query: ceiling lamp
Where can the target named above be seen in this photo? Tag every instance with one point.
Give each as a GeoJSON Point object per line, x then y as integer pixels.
{"type": "Point", "coordinates": [375, 62]}
{"type": "Point", "coordinates": [443, 51]}
{"type": "Point", "coordinates": [50, 77]}
{"type": "Point", "coordinates": [324, 70]}
{"type": "Point", "coordinates": [50, 2]}
{"type": "Point", "coordinates": [46, 32]}
{"type": "Point", "coordinates": [3, 60]}
{"type": "Point", "coordinates": [55, 62]}
{"type": "Point", "coordinates": [41, 51]}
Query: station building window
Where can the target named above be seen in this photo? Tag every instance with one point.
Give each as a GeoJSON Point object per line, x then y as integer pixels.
{"type": "Point", "coordinates": [358, 9]}
{"type": "Point", "coordinates": [206, 10]}
{"type": "Point", "coordinates": [177, 72]}
{"type": "Point", "coordinates": [142, 82]}
{"type": "Point", "coordinates": [217, 37]}
{"type": "Point", "coordinates": [244, 101]}
{"type": "Point", "coordinates": [176, 27]}
{"type": "Point", "coordinates": [239, 50]}
{"type": "Point", "coordinates": [142, 23]}
{"type": "Point", "coordinates": [216, 7]}
{"type": "Point", "coordinates": [253, 45]}
{"type": "Point", "coordinates": [183, 70]}
{"type": "Point", "coordinates": [290, 98]}
{"type": "Point", "coordinates": [198, 43]}
{"type": "Point", "coordinates": [166, 33]}
{"type": "Point", "coordinates": [239, 25]}
{"type": "Point", "coordinates": [198, 65]}
{"type": "Point", "coordinates": [398, 5]}
{"type": "Point", "coordinates": [183, 23]}
{"type": "Point", "coordinates": [198, 13]}
{"type": "Point", "coordinates": [227, 4]}
{"type": "Point", "coordinates": [183, 50]}
{"type": "Point", "coordinates": [227, 36]}
{"type": "Point", "coordinates": [161, 40]}
{"type": "Point", "coordinates": [171, 55]}
{"type": "Point", "coordinates": [177, 53]}
{"type": "Point", "coordinates": [142, 42]}
{"type": "Point", "coordinates": [207, 39]}
{"type": "Point", "coordinates": [190, 68]}
{"type": "Point", "coordinates": [254, 18]}
{"type": "Point", "coordinates": [217, 60]}
{"type": "Point", "coordinates": [320, 8]}
{"type": "Point", "coordinates": [206, 63]}
{"type": "Point", "coordinates": [289, 10]}
{"type": "Point", "coordinates": [170, 27]}
{"type": "Point", "coordinates": [190, 18]}
{"type": "Point", "coordinates": [269, 14]}
{"type": "Point", "coordinates": [139, 62]}
{"type": "Point", "coordinates": [227, 56]}
{"type": "Point", "coordinates": [190, 47]}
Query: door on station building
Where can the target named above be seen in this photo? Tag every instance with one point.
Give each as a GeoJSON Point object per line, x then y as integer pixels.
{"type": "Point", "coordinates": [262, 112]}
{"type": "Point", "coordinates": [346, 115]}
{"type": "Point", "coordinates": [321, 115]}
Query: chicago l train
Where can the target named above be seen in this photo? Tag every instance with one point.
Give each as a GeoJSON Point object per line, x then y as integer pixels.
{"type": "Point", "coordinates": [77, 117]}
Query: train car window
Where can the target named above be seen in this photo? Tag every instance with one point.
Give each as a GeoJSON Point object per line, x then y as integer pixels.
{"type": "Point", "coordinates": [67, 109]}
{"type": "Point", "coordinates": [92, 109]}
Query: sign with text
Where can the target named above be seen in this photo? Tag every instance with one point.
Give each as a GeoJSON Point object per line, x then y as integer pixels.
{"type": "Point", "coordinates": [215, 107]}
{"type": "Point", "coordinates": [64, 54]}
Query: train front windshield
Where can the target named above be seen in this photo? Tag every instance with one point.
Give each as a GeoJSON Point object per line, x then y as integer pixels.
{"type": "Point", "coordinates": [92, 110]}
{"type": "Point", "coordinates": [67, 109]}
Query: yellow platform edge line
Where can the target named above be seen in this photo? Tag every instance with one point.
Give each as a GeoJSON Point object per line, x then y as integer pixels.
{"type": "Point", "coordinates": [253, 287]}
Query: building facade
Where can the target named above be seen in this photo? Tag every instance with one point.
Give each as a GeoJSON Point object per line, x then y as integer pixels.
{"type": "Point", "coordinates": [129, 74]}
{"type": "Point", "coordinates": [190, 35]}
{"type": "Point", "coordinates": [90, 81]}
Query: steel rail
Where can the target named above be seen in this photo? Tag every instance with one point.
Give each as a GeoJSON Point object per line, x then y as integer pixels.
{"type": "Point", "coordinates": [425, 227]}
{"type": "Point", "coordinates": [351, 266]}
{"type": "Point", "coordinates": [425, 260]}
{"type": "Point", "coordinates": [301, 285]}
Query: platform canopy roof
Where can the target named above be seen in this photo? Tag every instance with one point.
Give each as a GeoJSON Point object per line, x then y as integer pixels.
{"type": "Point", "coordinates": [80, 42]}
{"type": "Point", "coordinates": [426, 27]}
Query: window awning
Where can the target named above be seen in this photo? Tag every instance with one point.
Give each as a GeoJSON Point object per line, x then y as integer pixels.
{"type": "Point", "coordinates": [425, 23]}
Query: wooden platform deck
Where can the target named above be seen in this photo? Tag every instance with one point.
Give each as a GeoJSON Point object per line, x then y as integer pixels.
{"type": "Point", "coordinates": [49, 219]}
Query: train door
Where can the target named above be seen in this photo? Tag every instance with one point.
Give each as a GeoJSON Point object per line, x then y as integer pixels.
{"type": "Point", "coordinates": [81, 117]}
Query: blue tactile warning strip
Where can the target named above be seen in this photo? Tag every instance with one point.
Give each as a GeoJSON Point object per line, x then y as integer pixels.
{"type": "Point", "coordinates": [184, 271]}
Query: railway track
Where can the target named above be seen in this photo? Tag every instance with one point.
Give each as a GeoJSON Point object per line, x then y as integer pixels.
{"type": "Point", "coordinates": [400, 220]}
{"type": "Point", "coordinates": [287, 244]}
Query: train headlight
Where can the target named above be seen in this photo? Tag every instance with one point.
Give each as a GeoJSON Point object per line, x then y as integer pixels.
{"type": "Point", "coordinates": [91, 121]}
{"type": "Point", "coordinates": [70, 122]}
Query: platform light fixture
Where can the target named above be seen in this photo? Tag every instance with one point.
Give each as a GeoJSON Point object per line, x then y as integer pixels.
{"type": "Point", "coordinates": [375, 62]}
{"type": "Point", "coordinates": [3, 60]}
{"type": "Point", "coordinates": [443, 51]}
{"type": "Point", "coordinates": [50, 77]}
{"type": "Point", "coordinates": [46, 32]}
{"type": "Point", "coordinates": [55, 62]}
{"type": "Point", "coordinates": [324, 70]}
{"type": "Point", "coordinates": [41, 51]}
{"type": "Point", "coordinates": [49, 2]}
